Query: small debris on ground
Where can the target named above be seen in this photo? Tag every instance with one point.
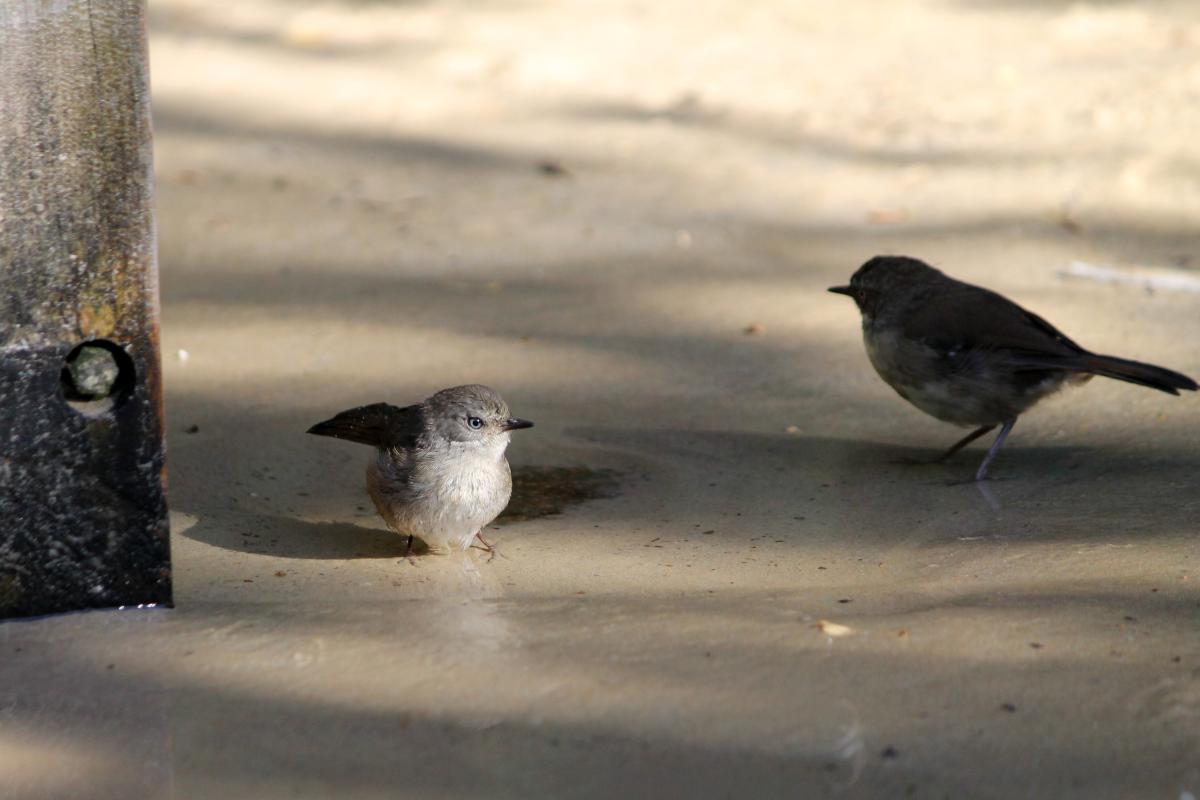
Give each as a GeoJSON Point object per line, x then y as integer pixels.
{"type": "Point", "coordinates": [834, 629]}
{"type": "Point", "coordinates": [1161, 279]}
{"type": "Point", "coordinates": [552, 168]}
{"type": "Point", "coordinates": [1068, 223]}
{"type": "Point", "coordinates": [888, 216]}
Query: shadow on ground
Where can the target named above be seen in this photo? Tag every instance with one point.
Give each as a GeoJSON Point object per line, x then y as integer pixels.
{"type": "Point", "coordinates": [538, 491]}
{"type": "Point", "coordinates": [287, 537]}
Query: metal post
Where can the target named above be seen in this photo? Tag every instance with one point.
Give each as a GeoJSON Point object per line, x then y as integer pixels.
{"type": "Point", "coordinates": [83, 517]}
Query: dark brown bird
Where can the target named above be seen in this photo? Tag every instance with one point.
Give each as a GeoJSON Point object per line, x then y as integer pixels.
{"type": "Point", "coordinates": [972, 357]}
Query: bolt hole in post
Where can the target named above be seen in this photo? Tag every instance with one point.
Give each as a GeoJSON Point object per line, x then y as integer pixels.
{"type": "Point", "coordinates": [96, 377]}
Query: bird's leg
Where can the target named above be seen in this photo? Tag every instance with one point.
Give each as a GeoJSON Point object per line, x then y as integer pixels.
{"type": "Point", "coordinates": [408, 551]}
{"type": "Point", "coordinates": [959, 445]}
{"type": "Point", "coordinates": [981, 473]}
{"type": "Point", "coordinates": [963, 442]}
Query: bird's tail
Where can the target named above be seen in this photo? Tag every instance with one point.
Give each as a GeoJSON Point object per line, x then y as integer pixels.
{"type": "Point", "coordinates": [364, 425]}
{"type": "Point", "coordinates": [1122, 369]}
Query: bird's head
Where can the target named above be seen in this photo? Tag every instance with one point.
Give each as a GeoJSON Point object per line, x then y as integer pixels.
{"type": "Point", "coordinates": [884, 279]}
{"type": "Point", "coordinates": [472, 414]}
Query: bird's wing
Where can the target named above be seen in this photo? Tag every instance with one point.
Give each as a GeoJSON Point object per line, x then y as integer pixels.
{"type": "Point", "coordinates": [969, 319]}
{"type": "Point", "coordinates": [971, 326]}
{"type": "Point", "coordinates": [379, 425]}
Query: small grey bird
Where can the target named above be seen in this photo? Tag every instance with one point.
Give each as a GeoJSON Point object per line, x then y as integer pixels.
{"type": "Point", "coordinates": [967, 355]}
{"type": "Point", "coordinates": [439, 471]}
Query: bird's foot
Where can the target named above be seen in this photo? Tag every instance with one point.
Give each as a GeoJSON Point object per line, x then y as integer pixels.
{"type": "Point", "coordinates": [488, 547]}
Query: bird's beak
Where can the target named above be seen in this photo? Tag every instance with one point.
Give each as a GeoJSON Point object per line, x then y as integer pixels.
{"type": "Point", "coordinates": [846, 290]}
{"type": "Point", "coordinates": [514, 424]}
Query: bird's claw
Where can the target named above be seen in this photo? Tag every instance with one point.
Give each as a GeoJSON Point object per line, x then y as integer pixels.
{"type": "Point", "coordinates": [490, 548]}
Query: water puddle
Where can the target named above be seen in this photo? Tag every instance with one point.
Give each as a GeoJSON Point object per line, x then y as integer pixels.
{"type": "Point", "coordinates": [546, 491]}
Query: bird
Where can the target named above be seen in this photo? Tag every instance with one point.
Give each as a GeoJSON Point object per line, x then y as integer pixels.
{"type": "Point", "coordinates": [439, 472]}
{"type": "Point", "coordinates": [970, 356]}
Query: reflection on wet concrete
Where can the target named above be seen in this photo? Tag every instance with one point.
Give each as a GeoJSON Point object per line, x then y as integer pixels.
{"type": "Point", "coordinates": [462, 696]}
{"type": "Point", "coordinates": [989, 497]}
{"type": "Point", "coordinates": [226, 701]}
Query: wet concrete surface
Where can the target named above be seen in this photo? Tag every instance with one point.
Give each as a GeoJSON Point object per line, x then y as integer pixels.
{"type": "Point", "coordinates": [548, 491]}
{"type": "Point", "coordinates": [758, 599]}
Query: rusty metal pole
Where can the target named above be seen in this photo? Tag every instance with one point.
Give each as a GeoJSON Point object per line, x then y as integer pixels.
{"type": "Point", "coordinates": [83, 515]}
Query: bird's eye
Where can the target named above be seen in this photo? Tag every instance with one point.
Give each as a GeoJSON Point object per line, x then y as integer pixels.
{"type": "Point", "coordinates": [475, 423]}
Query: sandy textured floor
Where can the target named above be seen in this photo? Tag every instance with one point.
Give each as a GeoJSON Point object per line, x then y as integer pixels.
{"type": "Point", "coordinates": [585, 205]}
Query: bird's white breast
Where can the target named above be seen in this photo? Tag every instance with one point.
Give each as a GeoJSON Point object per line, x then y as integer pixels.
{"type": "Point", "coordinates": [445, 498]}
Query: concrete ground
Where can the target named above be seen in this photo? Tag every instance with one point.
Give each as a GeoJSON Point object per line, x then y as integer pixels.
{"type": "Point", "coordinates": [623, 215]}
